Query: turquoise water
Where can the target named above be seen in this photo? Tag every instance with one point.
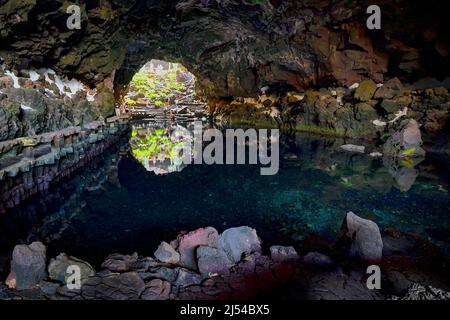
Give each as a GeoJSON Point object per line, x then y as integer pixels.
{"type": "Point", "coordinates": [118, 205]}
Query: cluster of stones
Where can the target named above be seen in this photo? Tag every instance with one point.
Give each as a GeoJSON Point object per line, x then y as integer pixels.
{"type": "Point", "coordinates": [28, 166]}
{"type": "Point", "coordinates": [365, 110]}
{"type": "Point", "coordinates": [201, 264]}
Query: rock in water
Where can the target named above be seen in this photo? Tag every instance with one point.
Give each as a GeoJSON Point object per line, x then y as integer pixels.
{"type": "Point", "coordinates": [28, 265]}
{"type": "Point", "coordinates": [165, 253]}
{"type": "Point", "coordinates": [57, 269]}
{"type": "Point", "coordinates": [405, 143]}
{"type": "Point", "coordinates": [188, 243]}
{"type": "Point", "coordinates": [283, 254]}
{"type": "Point", "coordinates": [353, 148]}
{"type": "Point", "coordinates": [237, 241]}
{"type": "Point", "coordinates": [213, 260]}
{"type": "Point", "coordinates": [366, 243]}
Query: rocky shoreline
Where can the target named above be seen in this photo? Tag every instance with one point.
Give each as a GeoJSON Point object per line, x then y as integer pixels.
{"type": "Point", "coordinates": [205, 265]}
{"type": "Point", "coordinates": [365, 111]}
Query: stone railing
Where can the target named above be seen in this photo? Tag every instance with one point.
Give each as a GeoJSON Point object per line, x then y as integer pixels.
{"type": "Point", "coordinates": [29, 165]}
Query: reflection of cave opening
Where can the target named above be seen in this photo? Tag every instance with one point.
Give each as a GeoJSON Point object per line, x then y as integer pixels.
{"type": "Point", "coordinates": [162, 87]}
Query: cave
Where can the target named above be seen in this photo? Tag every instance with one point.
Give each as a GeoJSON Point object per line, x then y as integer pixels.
{"type": "Point", "coordinates": [133, 126]}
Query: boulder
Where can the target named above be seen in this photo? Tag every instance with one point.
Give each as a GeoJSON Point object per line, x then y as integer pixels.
{"type": "Point", "coordinates": [237, 241]}
{"type": "Point", "coordinates": [213, 260]}
{"type": "Point", "coordinates": [167, 254]}
{"type": "Point", "coordinates": [28, 266]}
{"type": "Point", "coordinates": [317, 259]}
{"type": "Point", "coordinates": [188, 243]}
{"type": "Point", "coordinates": [365, 237]}
{"type": "Point", "coordinates": [366, 90]}
{"type": "Point", "coordinates": [283, 254]}
{"type": "Point", "coordinates": [389, 90]}
{"type": "Point", "coordinates": [57, 269]}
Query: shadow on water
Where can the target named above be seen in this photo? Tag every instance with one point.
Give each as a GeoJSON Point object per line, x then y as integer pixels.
{"type": "Point", "coordinates": [133, 198]}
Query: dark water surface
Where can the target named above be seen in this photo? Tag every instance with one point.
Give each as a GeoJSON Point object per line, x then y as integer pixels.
{"type": "Point", "coordinates": [117, 205]}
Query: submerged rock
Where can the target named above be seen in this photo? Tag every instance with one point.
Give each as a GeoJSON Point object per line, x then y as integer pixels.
{"type": "Point", "coordinates": [365, 237]}
{"type": "Point", "coordinates": [28, 266]}
{"type": "Point", "coordinates": [237, 241]}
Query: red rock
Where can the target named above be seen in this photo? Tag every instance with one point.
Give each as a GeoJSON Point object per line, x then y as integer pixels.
{"type": "Point", "coordinates": [188, 243]}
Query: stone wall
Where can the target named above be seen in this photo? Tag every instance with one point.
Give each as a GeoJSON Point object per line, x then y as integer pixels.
{"type": "Point", "coordinates": [29, 166]}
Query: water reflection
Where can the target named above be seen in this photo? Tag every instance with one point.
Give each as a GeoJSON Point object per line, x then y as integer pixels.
{"type": "Point", "coordinates": [160, 150]}
{"type": "Point", "coordinates": [116, 205]}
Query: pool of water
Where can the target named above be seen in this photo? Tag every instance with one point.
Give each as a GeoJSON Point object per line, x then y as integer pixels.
{"type": "Point", "coordinates": [121, 203]}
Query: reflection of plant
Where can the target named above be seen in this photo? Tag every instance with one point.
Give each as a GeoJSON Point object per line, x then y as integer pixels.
{"type": "Point", "coordinates": [155, 146]}
{"type": "Point", "coordinates": [130, 102]}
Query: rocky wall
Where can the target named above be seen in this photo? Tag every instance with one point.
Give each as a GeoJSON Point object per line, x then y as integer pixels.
{"type": "Point", "coordinates": [29, 166]}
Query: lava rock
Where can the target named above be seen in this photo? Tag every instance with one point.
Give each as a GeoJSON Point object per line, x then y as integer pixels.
{"type": "Point", "coordinates": [57, 269]}
{"type": "Point", "coordinates": [188, 243]}
{"type": "Point", "coordinates": [156, 290]}
{"type": "Point", "coordinates": [28, 266]}
{"type": "Point", "coordinates": [389, 90]}
{"type": "Point", "coordinates": [283, 254]}
{"type": "Point", "coordinates": [187, 278]}
{"type": "Point", "coordinates": [165, 253]}
{"type": "Point", "coordinates": [124, 263]}
{"type": "Point", "coordinates": [113, 286]}
{"type": "Point", "coordinates": [213, 260]}
{"type": "Point", "coordinates": [366, 242]}
{"type": "Point", "coordinates": [406, 142]}
{"type": "Point", "coordinates": [237, 241]}
{"type": "Point", "coordinates": [366, 90]}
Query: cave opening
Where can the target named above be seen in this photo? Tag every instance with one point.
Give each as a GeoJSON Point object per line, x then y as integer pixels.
{"type": "Point", "coordinates": [161, 87]}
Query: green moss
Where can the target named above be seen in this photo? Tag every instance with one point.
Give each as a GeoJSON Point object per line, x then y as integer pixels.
{"type": "Point", "coordinates": [321, 130]}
